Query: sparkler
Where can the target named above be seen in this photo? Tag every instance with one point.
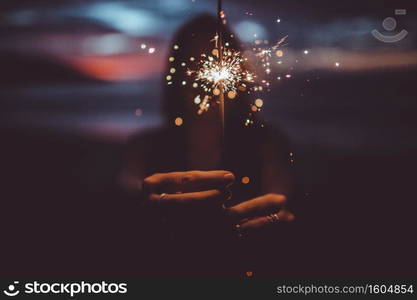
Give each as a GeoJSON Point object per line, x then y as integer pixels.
{"type": "Point", "coordinates": [220, 73]}
{"type": "Point", "coordinates": [223, 75]}
{"type": "Point", "coordinates": [224, 71]}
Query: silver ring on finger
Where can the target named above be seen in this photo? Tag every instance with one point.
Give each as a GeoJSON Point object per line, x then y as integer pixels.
{"type": "Point", "coordinates": [272, 218]}
{"type": "Point", "coordinates": [161, 197]}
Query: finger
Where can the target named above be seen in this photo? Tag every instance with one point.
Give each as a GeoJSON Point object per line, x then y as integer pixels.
{"type": "Point", "coordinates": [197, 198]}
{"type": "Point", "coordinates": [190, 181]}
{"type": "Point", "coordinates": [257, 207]}
{"type": "Point", "coordinates": [262, 222]}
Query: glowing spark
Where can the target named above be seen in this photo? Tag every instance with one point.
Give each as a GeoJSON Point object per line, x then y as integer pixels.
{"type": "Point", "coordinates": [248, 122]}
{"type": "Point", "coordinates": [223, 74]}
{"type": "Point", "coordinates": [281, 41]}
{"type": "Point", "coordinates": [204, 105]}
{"type": "Point", "coordinates": [178, 121]}
{"type": "Point", "coordinates": [197, 100]}
{"type": "Point", "coordinates": [215, 40]}
{"type": "Point", "coordinates": [259, 102]}
{"type": "Point", "coordinates": [264, 53]}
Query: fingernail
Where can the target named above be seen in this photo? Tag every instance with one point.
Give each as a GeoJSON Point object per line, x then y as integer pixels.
{"type": "Point", "coordinates": [229, 177]}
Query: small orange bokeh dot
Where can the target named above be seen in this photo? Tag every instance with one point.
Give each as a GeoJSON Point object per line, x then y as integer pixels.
{"type": "Point", "coordinates": [231, 94]}
{"type": "Point", "coordinates": [245, 180]}
{"type": "Point", "coordinates": [178, 121]}
{"type": "Point", "coordinates": [259, 102]}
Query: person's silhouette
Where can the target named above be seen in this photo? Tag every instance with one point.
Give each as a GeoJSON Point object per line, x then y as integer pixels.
{"type": "Point", "coordinates": [224, 199]}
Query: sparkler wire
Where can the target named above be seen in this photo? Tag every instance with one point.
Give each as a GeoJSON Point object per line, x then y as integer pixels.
{"type": "Point", "coordinates": [221, 95]}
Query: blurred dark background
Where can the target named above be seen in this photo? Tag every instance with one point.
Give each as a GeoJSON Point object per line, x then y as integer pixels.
{"type": "Point", "coordinates": [75, 84]}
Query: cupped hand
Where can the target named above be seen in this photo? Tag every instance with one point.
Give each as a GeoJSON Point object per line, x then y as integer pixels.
{"type": "Point", "coordinates": [191, 189]}
{"type": "Point", "coordinates": [260, 212]}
